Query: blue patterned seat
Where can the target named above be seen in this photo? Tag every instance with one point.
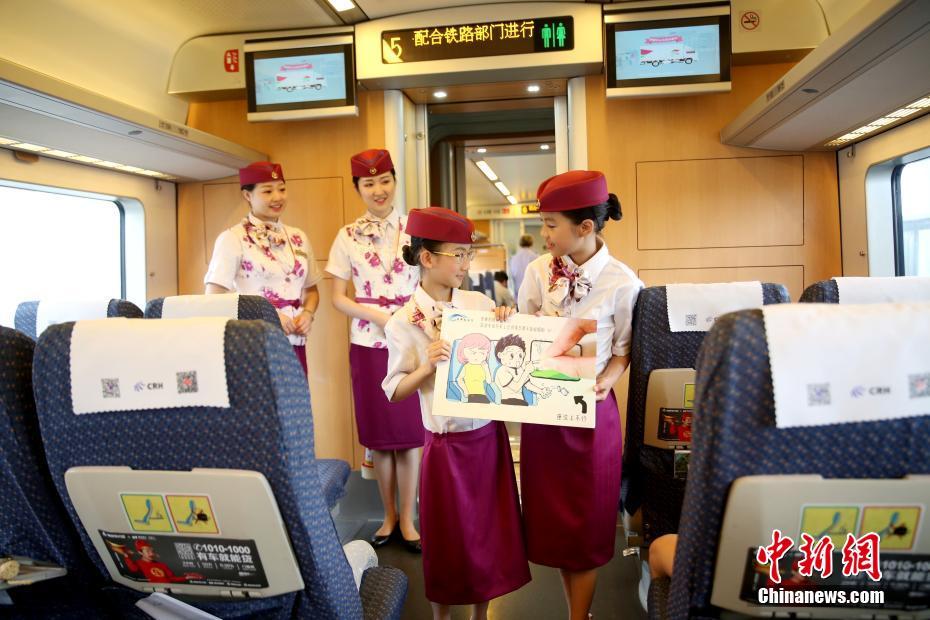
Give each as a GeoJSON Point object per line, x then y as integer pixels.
{"type": "Point", "coordinates": [334, 473]}
{"type": "Point", "coordinates": [34, 522]}
{"type": "Point", "coordinates": [267, 428]}
{"type": "Point", "coordinates": [27, 311]}
{"type": "Point", "coordinates": [648, 479]}
{"type": "Point", "coordinates": [735, 435]}
{"type": "Point", "coordinates": [823, 292]}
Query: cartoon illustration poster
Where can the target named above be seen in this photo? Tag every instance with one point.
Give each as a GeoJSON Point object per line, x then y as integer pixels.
{"type": "Point", "coordinates": [526, 369]}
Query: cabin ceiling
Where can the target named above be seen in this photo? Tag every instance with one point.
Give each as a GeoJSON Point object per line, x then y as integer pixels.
{"type": "Point", "coordinates": [521, 171]}
{"type": "Point", "coordinates": [376, 9]}
{"type": "Point", "coordinates": [123, 49]}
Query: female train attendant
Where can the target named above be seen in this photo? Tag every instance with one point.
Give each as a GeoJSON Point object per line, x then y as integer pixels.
{"type": "Point", "coordinates": [368, 252]}
{"type": "Point", "coordinates": [262, 256]}
{"type": "Point", "coordinates": [571, 476]}
{"type": "Point", "coordinates": [473, 549]}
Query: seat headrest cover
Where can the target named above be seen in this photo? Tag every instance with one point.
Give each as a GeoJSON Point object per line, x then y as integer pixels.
{"type": "Point", "coordinates": [54, 311]}
{"type": "Point", "coordinates": [883, 290]}
{"type": "Point", "coordinates": [188, 306]}
{"type": "Point", "coordinates": [125, 364]}
{"type": "Point", "coordinates": [835, 364]}
{"type": "Point", "coordinates": [695, 307]}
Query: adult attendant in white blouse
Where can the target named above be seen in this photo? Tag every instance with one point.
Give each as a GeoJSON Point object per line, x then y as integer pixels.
{"type": "Point", "coordinates": [368, 252]}
{"type": "Point", "coordinates": [262, 256]}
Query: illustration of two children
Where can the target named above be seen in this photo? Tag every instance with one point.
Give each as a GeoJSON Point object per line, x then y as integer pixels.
{"type": "Point", "coordinates": [511, 377]}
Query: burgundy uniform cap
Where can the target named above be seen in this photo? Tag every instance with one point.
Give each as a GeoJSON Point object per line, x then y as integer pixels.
{"type": "Point", "coordinates": [371, 163]}
{"type": "Point", "coordinates": [575, 189]}
{"type": "Point", "coordinates": [440, 224]}
{"type": "Point", "coordinates": [260, 172]}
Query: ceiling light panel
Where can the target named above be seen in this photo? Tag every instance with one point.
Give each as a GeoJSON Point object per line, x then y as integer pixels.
{"type": "Point", "coordinates": [486, 170]}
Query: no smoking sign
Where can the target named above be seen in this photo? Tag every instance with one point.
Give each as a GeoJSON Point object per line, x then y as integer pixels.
{"type": "Point", "coordinates": [749, 20]}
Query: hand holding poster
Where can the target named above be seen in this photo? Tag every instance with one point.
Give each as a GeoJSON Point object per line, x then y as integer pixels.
{"type": "Point", "coordinates": [537, 369]}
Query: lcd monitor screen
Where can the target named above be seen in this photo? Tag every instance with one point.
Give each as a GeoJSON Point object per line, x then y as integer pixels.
{"type": "Point", "coordinates": [679, 51]}
{"type": "Point", "coordinates": [298, 79]}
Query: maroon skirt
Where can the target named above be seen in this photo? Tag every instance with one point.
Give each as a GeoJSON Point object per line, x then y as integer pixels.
{"type": "Point", "coordinates": [300, 350]}
{"type": "Point", "coordinates": [382, 425]}
{"type": "Point", "coordinates": [473, 543]}
{"type": "Point", "coordinates": [571, 490]}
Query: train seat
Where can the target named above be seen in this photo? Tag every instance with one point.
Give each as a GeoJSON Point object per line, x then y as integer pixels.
{"type": "Point", "coordinates": [867, 290]}
{"type": "Point", "coordinates": [34, 523]}
{"type": "Point", "coordinates": [265, 426]}
{"type": "Point", "coordinates": [666, 358]}
{"type": "Point", "coordinates": [805, 461]}
{"type": "Point", "coordinates": [334, 473]}
{"type": "Point", "coordinates": [33, 317]}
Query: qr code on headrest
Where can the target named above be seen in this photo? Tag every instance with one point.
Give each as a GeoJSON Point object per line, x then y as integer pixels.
{"type": "Point", "coordinates": [187, 382]}
{"type": "Point", "coordinates": [691, 320]}
{"type": "Point", "coordinates": [818, 394]}
{"type": "Point", "coordinates": [110, 388]}
{"type": "Point", "coordinates": [919, 385]}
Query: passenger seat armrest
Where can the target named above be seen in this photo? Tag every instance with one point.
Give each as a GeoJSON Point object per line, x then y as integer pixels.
{"type": "Point", "coordinates": [658, 598]}
{"type": "Point", "coordinates": [383, 592]}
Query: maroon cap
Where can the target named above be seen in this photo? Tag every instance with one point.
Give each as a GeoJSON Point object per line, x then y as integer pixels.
{"type": "Point", "coordinates": [575, 189]}
{"type": "Point", "coordinates": [371, 163]}
{"type": "Point", "coordinates": [440, 224]}
{"type": "Point", "coordinates": [141, 544]}
{"type": "Point", "coordinates": [260, 172]}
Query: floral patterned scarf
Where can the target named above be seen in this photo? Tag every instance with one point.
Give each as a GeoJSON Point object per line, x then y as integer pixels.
{"type": "Point", "coordinates": [567, 284]}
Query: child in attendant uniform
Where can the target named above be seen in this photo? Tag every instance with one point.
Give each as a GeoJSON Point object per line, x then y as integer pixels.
{"type": "Point", "coordinates": [571, 476]}
{"type": "Point", "coordinates": [472, 537]}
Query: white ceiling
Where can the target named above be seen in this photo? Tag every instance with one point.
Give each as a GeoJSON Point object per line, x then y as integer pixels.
{"type": "Point", "coordinates": [376, 9]}
{"type": "Point", "coordinates": [521, 173]}
{"type": "Point", "coordinates": [124, 48]}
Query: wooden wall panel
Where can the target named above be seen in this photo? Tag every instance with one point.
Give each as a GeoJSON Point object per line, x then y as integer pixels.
{"type": "Point", "coordinates": [792, 276]}
{"type": "Point", "coordinates": [321, 199]}
{"type": "Point", "coordinates": [223, 207]}
{"type": "Point", "coordinates": [719, 203]}
{"type": "Point", "coordinates": [663, 155]}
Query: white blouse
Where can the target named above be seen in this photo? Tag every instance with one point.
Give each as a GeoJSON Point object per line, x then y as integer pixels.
{"type": "Point", "coordinates": [369, 252]}
{"type": "Point", "coordinates": [604, 289]}
{"type": "Point", "coordinates": [268, 259]}
{"type": "Point", "coordinates": [409, 332]}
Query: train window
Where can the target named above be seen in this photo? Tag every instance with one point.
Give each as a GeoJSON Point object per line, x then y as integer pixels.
{"type": "Point", "coordinates": [912, 218]}
{"type": "Point", "coordinates": [59, 245]}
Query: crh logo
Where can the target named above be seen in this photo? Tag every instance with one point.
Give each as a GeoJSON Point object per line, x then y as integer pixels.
{"type": "Point", "coordinates": [231, 61]}
{"type": "Point", "coordinates": [876, 390]}
{"type": "Point", "coordinates": [141, 386]}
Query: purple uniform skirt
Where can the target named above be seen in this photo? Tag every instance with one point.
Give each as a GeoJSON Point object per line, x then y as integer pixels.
{"type": "Point", "coordinates": [382, 425]}
{"type": "Point", "coordinates": [473, 544]}
{"type": "Point", "coordinates": [571, 490]}
{"type": "Point", "coordinates": [300, 350]}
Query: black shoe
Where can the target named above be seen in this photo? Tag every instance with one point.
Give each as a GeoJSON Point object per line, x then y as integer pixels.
{"type": "Point", "coordinates": [380, 541]}
{"type": "Point", "coordinates": [413, 546]}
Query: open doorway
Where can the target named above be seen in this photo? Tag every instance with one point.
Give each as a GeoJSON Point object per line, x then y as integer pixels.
{"type": "Point", "coordinates": [487, 160]}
